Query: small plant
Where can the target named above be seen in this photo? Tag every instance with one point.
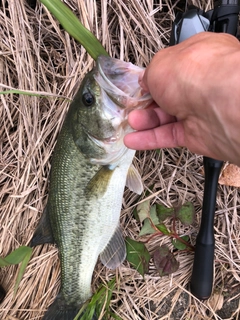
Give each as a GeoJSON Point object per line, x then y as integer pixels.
{"type": "Point", "coordinates": [99, 302]}
{"type": "Point", "coordinates": [152, 219]}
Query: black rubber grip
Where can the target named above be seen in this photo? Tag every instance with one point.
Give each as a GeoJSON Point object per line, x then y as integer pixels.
{"type": "Point", "coordinates": [202, 274]}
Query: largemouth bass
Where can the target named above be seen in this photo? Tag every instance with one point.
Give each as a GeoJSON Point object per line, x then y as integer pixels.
{"type": "Point", "coordinates": [90, 168]}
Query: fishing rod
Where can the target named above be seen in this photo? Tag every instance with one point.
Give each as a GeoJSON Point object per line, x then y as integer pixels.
{"type": "Point", "coordinates": [222, 18]}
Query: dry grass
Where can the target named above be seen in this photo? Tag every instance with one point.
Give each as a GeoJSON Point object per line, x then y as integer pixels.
{"type": "Point", "coordinates": [37, 55]}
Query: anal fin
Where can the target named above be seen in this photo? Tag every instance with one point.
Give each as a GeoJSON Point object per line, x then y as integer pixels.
{"type": "Point", "coordinates": [43, 233]}
{"type": "Point", "coordinates": [115, 252]}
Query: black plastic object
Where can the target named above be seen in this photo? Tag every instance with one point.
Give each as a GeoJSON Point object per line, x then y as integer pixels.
{"type": "Point", "coordinates": [2, 293]}
{"type": "Point", "coordinates": [188, 24]}
{"type": "Point", "coordinates": [202, 275]}
{"type": "Point", "coordinates": [223, 18]}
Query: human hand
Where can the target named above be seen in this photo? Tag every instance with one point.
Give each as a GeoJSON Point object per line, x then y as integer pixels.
{"type": "Point", "coordinates": [195, 86]}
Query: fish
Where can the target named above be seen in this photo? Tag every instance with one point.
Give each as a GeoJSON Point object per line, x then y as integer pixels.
{"type": "Point", "coordinates": [2, 293]}
{"type": "Point", "coordinates": [90, 168]}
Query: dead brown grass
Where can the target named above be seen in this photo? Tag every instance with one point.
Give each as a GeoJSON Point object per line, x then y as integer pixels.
{"type": "Point", "coordinates": [37, 55]}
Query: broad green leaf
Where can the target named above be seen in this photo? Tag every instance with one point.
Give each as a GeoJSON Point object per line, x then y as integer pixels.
{"type": "Point", "coordinates": [178, 244]}
{"type": "Point", "coordinates": [165, 261]}
{"type": "Point", "coordinates": [164, 212]}
{"type": "Point", "coordinates": [161, 227]}
{"type": "Point", "coordinates": [153, 214]}
{"type": "Point", "coordinates": [143, 210]}
{"type": "Point", "coordinates": [75, 28]}
{"type": "Point", "coordinates": [147, 227]}
{"type": "Point", "coordinates": [135, 214]}
{"type": "Point", "coordinates": [138, 255]}
{"type": "Point", "coordinates": [186, 213]}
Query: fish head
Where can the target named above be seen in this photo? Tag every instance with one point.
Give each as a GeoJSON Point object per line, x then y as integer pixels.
{"type": "Point", "coordinates": [100, 109]}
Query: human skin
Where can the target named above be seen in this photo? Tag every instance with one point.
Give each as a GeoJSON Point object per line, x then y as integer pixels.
{"type": "Point", "coordinates": [196, 90]}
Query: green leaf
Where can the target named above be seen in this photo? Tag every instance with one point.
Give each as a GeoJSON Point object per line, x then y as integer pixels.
{"type": "Point", "coordinates": [16, 256]}
{"type": "Point", "coordinates": [153, 214]}
{"type": "Point", "coordinates": [20, 255]}
{"type": "Point", "coordinates": [135, 214]}
{"type": "Point", "coordinates": [147, 227]}
{"type": "Point", "coordinates": [143, 210]}
{"type": "Point", "coordinates": [137, 255]}
{"type": "Point", "coordinates": [186, 213]}
{"type": "Point", "coordinates": [75, 28]}
{"type": "Point", "coordinates": [161, 227]}
{"type": "Point", "coordinates": [164, 212]}
{"type": "Point", "coordinates": [178, 244]}
{"type": "Point", "coordinates": [100, 300]}
{"type": "Point", "coordinates": [32, 94]}
{"type": "Point", "coordinates": [165, 261]}
{"type": "Point", "coordinates": [23, 266]}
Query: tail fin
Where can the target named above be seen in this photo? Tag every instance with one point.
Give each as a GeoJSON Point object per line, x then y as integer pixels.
{"type": "Point", "coordinates": [60, 310]}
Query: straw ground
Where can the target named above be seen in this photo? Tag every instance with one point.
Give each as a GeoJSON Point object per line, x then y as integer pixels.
{"type": "Point", "coordinates": [38, 56]}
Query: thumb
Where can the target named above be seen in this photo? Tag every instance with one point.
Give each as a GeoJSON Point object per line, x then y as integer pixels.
{"type": "Point", "coordinates": [142, 82]}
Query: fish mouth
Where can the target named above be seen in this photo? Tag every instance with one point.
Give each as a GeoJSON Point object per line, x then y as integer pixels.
{"type": "Point", "coordinates": [119, 79]}
{"type": "Point", "coordinates": [106, 140]}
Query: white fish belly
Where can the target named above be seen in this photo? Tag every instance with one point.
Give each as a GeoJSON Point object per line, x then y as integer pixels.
{"type": "Point", "coordinates": [104, 214]}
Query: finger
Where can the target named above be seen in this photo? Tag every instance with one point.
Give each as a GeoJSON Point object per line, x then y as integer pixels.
{"type": "Point", "coordinates": [167, 136]}
{"type": "Point", "coordinates": [149, 118]}
{"type": "Point", "coordinates": [142, 82]}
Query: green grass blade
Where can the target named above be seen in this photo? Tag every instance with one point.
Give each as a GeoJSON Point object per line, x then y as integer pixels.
{"type": "Point", "coordinates": [20, 255]}
{"type": "Point", "coordinates": [16, 256]}
{"type": "Point", "coordinates": [32, 94]}
{"type": "Point", "coordinates": [75, 28]}
{"type": "Point", "coordinates": [28, 253]}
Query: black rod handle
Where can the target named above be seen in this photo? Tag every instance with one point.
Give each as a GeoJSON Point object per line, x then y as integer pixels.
{"type": "Point", "coordinates": [202, 274]}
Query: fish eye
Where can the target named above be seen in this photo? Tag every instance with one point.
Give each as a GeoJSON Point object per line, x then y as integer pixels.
{"type": "Point", "coordinates": [88, 99]}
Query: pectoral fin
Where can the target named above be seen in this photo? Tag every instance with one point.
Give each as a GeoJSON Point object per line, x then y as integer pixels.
{"type": "Point", "coordinates": [43, 232]}
{"type": "Point", "coordinates": [115, 252]}
{"type": "Point", "coordinates": [98, 185]}
{"type": "Point", "coordinates": [134, 182]}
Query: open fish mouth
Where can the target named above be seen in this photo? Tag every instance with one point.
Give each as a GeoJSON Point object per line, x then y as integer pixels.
{"type": "Point", "coordinates": [113, 147]}
{"type": "Point", "coordinates": [108, 140]}
{"type": "Point", "coordinates": [119, 79]}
